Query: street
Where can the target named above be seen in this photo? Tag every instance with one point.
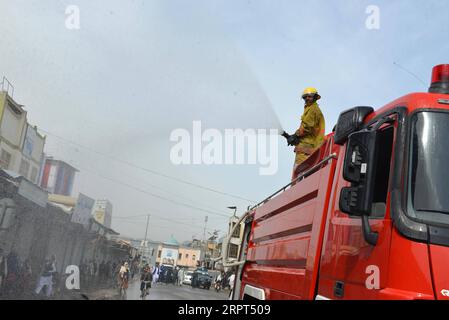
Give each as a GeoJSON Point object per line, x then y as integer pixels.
{"type": "Point", "coordinates": [170, 292]}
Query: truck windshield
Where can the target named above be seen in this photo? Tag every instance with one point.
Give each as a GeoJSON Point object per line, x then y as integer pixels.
{"type": "Point", "coordinates": [429, 170]}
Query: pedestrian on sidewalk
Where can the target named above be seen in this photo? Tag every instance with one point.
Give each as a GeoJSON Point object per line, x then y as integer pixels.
{"type": "Point", "coordinates": [3, 271]}
{"type": "Point", "coordinates": [46, 278]}
{"type": "Point", "coordinates": [95, 273]}
{"type": "Point", "coordinates": [25, 278]}
{"type": "Point", "coordinates": [91, 273]}
{"type": "Point", "coordinates": [101, 271]}
{"type": "Point", "coordinates": [123, 277]}
{"type": "Point", "coordinates": [11, 281]}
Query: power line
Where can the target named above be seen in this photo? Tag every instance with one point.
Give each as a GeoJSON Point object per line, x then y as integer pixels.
{"type": "Point", "coordinates": [165, 227]}
{"type": "Point", "coordinates": [139, 224]}
{"type": "Point", "coordinates": [169, 192]}
{"type": "Point", "coordinates": [161, 218]}
{"type": "Point", "coordinates": [146, 169]}
{"type": "Point", "coordinates": [149, 193]}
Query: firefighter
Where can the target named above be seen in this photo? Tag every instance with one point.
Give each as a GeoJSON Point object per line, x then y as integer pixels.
{"type": "Point", "coordinates": [310, 134]}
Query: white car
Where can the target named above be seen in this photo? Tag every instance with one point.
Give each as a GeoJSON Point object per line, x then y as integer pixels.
{"type": "Point", "coordinates": [188, 277]}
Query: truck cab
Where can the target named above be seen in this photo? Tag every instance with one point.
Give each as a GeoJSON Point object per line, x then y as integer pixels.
{"type": "Point", "coordinates": [368, 218]}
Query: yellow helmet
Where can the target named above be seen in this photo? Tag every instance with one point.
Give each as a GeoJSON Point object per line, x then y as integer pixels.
{"type": "Point", "coordinates": [311, 90]}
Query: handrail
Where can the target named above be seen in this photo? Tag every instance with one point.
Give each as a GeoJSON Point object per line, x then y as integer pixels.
{"type": "Point", "coordinates": [226, 240]}
{"type": "Point", "coordinates": [8, 84]}
{"type": "Point", "coordinates": [300, 177]}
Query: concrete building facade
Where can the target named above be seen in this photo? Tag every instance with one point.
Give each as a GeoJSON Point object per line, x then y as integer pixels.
{"type": "Point", "coordinates": [21, 146]}
{"type": "Point", "coordinates": [188, 257]}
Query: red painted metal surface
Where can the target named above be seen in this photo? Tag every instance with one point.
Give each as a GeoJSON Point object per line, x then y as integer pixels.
{"type": "Point", "coordinates": [439, 258]}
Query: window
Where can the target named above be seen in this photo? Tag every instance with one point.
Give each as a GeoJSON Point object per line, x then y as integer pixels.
{"type": "Point", "coordinates": [385, 142]}
{"type": "Point", "coordinates": [33, 176]}
{"type": "Point", "coordinates": [159, 253]}
{"type": "Point", "coordinates": [5, 159]}
{"type": "Point", "coordinates": [236, 233]}
{"type": "Point", "coordinates": [233, 251]}
{"type": "Point", "coordinates": [193, 258]}
{"type": "Point", "coordinates": [429, 177]}
{"type": "Point", "coordinates": [180, 256]}
{"type": "Point", "coordinates": [152, 252]}
{"type": "Point", "coordinates": [24, 168]}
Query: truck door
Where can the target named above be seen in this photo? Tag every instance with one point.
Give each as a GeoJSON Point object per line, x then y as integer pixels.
{"type": "Point", "coordinates": [350, 267]}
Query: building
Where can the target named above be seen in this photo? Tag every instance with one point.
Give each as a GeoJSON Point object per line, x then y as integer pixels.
{"type": "Point", "coordinates": [35, 229]}
{"type": "Point", "coordinates": [102, 212]}
{"type": "Point", "coordinates": [168, 252]}
{"type": "Point", "coordinates": [58, 177]}
{"type": "Point", "coordinates": [235, 241]}
{"type": "Point", "coordinates": [21, 146]}
{"type": "Point", "coordinates": [149, 251]}
{"type": "Point", "coordinates": [188, 257]}
{"type": "Point", "coordinates": [82, 208]}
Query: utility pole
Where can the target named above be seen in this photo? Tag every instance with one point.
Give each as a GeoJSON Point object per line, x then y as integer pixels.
{"type": "Point", "coordinates": [204, 238]}
{"type": "Point", "coordinates": [145, 241]}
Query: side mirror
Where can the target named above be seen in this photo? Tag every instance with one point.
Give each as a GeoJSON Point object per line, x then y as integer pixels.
{"type": "Point", "coordinates": [359, 168]}
{"type": "Point", "coordinates": [350, 121]}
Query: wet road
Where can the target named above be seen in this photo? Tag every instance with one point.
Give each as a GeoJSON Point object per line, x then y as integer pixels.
{"type": "Point", "coordinates": [170, 292]}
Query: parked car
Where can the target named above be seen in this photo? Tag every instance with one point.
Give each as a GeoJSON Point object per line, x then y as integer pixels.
{"type": "Point", "coordinates": [166, 274]}
{"type": "Point", "coordinates": [188, 278]}
{"type": "Point", "coordinates": [201, 279]}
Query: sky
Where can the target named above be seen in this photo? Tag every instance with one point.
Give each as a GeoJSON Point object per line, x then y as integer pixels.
{"type": "Point", "coordinates": [109, 94]}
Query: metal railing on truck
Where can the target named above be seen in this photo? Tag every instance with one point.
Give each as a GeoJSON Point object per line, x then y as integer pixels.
{"type": "Point", "coordinates": [302, 176]}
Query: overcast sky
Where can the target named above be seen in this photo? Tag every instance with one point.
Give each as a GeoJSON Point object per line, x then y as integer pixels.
{"type": "Point", "coordinates": [136, 70]}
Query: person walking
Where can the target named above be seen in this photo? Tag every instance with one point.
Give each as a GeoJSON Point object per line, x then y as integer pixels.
{"type": "Point", "coordinates": [180, 277]}
{"type": "Point", "coordinates": [91, 273]}
{"type": "Point", "coordinates": [11, 281]}
{"type": "Point", "coordinates": [102, 272]}
{"type": "Point", "coordinates": [46, 278]}
{"type": "Point", "coordinates": [25, 278]}
{"type": "Point", "coordinates": [123, 276]}
{"type": "Point", "coordinates": [3, 271]}
{"type": "Point", "coordinates": [156, 272]}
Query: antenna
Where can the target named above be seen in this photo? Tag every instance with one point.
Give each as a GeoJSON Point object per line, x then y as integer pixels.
{"type": "Point", "coordinates": [411, 73]}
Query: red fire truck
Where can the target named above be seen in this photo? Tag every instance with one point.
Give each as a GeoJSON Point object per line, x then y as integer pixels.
{"type": "Point", "coordinates": [367, 217]}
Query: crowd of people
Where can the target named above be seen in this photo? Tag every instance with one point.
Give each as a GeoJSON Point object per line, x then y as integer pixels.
{"type": "Point", "coordinates": [19, 281]}
{"type": "Point", "coordinates": [15, 276]}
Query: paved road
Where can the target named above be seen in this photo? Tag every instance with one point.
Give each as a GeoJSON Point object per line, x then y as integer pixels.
{"type": "Point", "coordinates": [171, 292]}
